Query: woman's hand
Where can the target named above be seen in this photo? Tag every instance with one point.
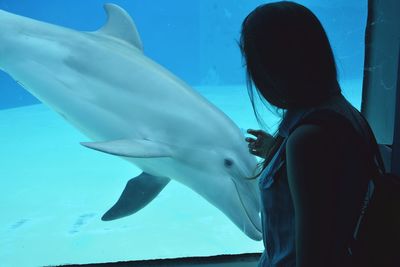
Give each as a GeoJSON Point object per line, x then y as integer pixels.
{"type": "Point", "coordinates": [261, 144]}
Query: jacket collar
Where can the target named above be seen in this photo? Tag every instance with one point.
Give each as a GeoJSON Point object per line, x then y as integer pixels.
{"type": "Point", "coordinates": [290, 119]}
{"type": "Point", "coordinates": [292, 116]}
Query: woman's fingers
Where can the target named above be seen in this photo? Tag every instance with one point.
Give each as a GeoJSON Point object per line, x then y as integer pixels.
{"type": "Point", "coordinates": [253, 145]}
{"type": "Point", "coordinates": [260, 144]}
{"type": "Point", "coordinates": [255, 132]}
{"type": "Point", "coordinates": [250, 140]}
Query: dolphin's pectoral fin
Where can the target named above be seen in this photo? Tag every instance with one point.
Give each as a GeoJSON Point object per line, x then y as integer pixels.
{"type": "Point", "coordinates": [121, 26]}
{"type": "Point", "coordinates": [133, 148]}
{"type": "Point", "coordinates": [139, 191]}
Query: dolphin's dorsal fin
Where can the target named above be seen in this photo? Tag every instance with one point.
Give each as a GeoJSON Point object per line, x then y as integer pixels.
{"type": "Point", "coordinates": [133, 148]}
{"type": "Point", "coordinates": [121, 26]}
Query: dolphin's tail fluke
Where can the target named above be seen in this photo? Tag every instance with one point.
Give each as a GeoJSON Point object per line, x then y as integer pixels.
{"type": "Point", "coordinates": [138, 192]}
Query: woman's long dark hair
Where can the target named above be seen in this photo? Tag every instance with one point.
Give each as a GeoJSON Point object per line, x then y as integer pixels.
{"type": "Point", "coordinates": [288, 57]}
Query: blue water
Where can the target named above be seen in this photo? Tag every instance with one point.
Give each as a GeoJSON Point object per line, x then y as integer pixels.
{"type": "Point", "coordinates": [53, 191]}
{"type": "Point", "coordinates": [195, 39]}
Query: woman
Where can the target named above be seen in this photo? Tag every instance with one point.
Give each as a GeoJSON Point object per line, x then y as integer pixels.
{"type": "Point", "coordinates": [312, 181]}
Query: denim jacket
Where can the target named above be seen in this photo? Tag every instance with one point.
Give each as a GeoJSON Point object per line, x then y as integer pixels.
{"type": "Point", "coordinates": [277, 213]}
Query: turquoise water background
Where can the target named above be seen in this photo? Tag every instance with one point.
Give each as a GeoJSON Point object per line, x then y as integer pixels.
{"type": "Point", "coordinates": [53, 191]}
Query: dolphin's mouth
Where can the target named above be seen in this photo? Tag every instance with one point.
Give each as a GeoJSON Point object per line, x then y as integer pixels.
{"type": "Point", "coordinates": [251, 219]}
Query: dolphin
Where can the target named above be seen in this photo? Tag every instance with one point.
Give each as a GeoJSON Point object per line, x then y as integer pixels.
{"type": "Point", "coordinates": [131, 107]}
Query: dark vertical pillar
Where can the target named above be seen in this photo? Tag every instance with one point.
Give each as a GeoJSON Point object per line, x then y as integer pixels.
{"type": "Point", "coordinates": [396, 135]}
{"type": "Point", "coordinates": [380, 69]}
{"type": "Point", "coordinates": [381, 84]}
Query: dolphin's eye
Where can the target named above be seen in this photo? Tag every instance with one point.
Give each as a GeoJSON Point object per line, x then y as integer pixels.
{"type": "Point", "coordinates": [228, 162]}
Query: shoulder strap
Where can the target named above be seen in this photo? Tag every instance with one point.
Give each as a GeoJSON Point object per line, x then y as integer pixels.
{"type": "Point", "coordinates": [376, 152]}
{"type": "Point", "coordinates": [333, 121]}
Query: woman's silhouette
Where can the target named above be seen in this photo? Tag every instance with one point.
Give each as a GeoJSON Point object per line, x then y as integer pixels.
{"type": "Point", "coordinates": [312, 181]}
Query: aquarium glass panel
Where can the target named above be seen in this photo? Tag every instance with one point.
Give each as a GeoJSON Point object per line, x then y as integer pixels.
{"type": "Point", "coordinates": [94, 113]}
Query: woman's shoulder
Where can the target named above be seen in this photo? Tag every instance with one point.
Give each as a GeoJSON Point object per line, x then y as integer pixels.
{"type": "Point", "coordinates": [317, 125]}
{"type": "Point", "coordinates": [308, 141]}
{"type": "Point", "coordinates": [331, 122]}
{"type": "Point", "coordinates": [324, 137]}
